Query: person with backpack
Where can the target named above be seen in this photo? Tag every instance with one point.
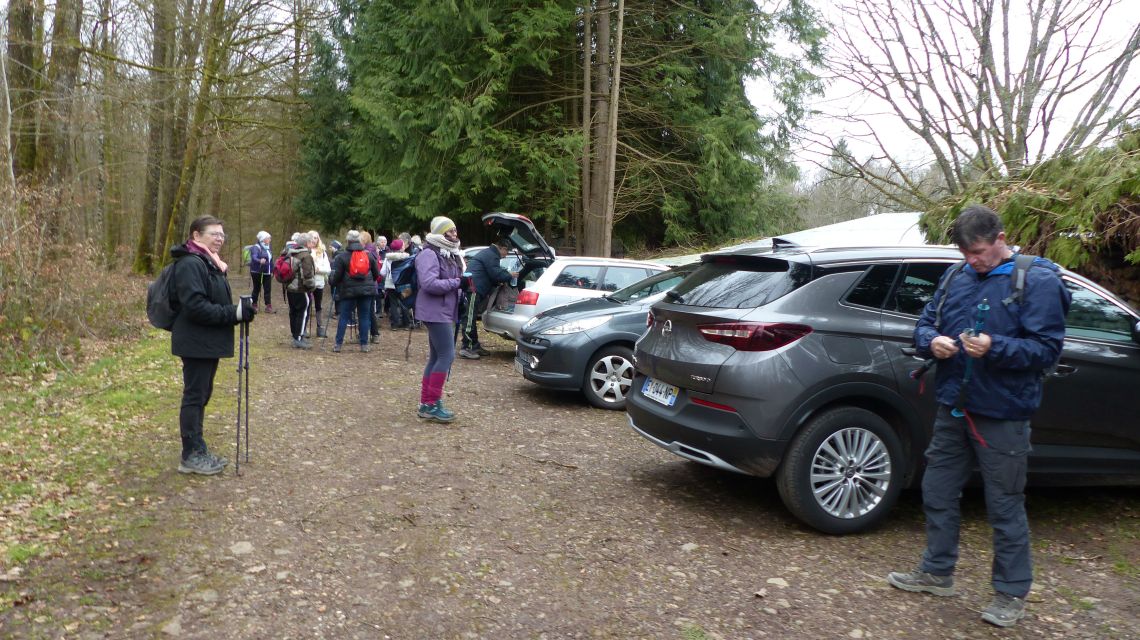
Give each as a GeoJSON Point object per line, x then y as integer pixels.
{"type": "Point", "coordinates": [439, 270]}
{"type": "Point", "coordinates": [202, 333]}
{"type": "Point", "coordinates": [993, 338]}
{"type": "Point", "coordinates": [354, 274]}
{"type": "Point", "coordinates": [299, 288]}
{"type": "Point", "coordinates": [398, 316]}
{"type": "Point", "coordinates": [260, 270]}
{"type": "Point", "coordinates": [373, 309]}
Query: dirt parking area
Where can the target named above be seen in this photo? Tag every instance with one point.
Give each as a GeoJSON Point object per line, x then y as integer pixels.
{"type": "Point", "coordinates": [533, 516]}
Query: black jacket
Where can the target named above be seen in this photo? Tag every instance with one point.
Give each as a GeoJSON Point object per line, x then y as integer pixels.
{"type": "Point", "coordinates": [486, 271]}
{"type": "Point", "coordinates": [204, 327]}
{"type": "Point", "coordinates": [353, 286]}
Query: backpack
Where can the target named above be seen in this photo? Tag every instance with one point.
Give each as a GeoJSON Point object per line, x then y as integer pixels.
{"type": "Point", "coordinates": [161, 306]}
{"type": "Point", "coordinates": [405, 281]}
{"type": "Point", "coordinates": [358, 264]}
{"type": "Point", "coordinates": [283, 269]}
{"type": "Point", "coordinates": [246, 254]}
{"type": "Point", "coordinates": [1021, 264]}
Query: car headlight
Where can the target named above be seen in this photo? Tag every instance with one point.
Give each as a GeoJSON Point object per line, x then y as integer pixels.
{"type": "Point", "coordinates": [576, 326]}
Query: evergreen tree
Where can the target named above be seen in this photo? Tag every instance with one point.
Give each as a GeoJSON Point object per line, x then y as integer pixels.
{"type": "Point", "coordinates": [330, 191]}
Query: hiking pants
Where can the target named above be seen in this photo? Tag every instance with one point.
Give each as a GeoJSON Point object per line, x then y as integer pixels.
{"type": "Point", "coordinates": [1000, 449]}
{"type": "Point", "coordinates": [441, 353]}
{"type": "Point", "coordinates": [262, 282]}
{"type": "Point", "coordinates": [475, 302]}
{"type": "Point", "coordinates": [197, 387]}
{"type": "Point", "coordinates": [398, 316]}
{"type": "Point", "coordinates": [362, 306]}
{"type": "Point", "coordinates": [298, 313]}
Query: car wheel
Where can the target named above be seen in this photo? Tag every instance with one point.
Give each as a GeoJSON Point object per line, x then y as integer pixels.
{"type": "Point", "coordinates": [608, 377]}
{"type": "Point", "coordinates": [842, 472]}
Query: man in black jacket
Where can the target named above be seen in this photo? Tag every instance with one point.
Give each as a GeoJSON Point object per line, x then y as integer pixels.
{"type": "Point", "coordinates": [486, 272]}
{"type": "Point", "coordinates": [355, 289]}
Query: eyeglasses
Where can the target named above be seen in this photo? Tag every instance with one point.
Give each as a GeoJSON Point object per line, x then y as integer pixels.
{"type": "Point", "coordinates": [217, 234]}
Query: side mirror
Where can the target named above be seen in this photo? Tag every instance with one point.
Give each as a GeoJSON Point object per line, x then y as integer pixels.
{"type": "Point", "coordinates": [1136, 332]}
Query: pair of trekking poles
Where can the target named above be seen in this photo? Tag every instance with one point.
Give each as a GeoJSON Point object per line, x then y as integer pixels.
{"type": "Point", "coordinates": [242, 378]}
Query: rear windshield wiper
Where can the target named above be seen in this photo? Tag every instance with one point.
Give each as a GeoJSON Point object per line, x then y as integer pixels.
{"type": "Point", "coordinates": [675, 297]}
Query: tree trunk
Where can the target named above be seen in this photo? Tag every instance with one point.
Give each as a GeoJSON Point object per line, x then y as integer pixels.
{"type": "Point", "coordinates": [594, 218]}
{"type": "Point", "coordinates": [23, 63]}
{"type": "Point", "coordinates": [161, 56]}
{"type": "Point", "coordinates": [9, 177]}
{"type": "Point", "coordinates": [587, 62]}
{"type": "Point", "coordinates": [611, 149]}
{"type": "Point", "coordinates": [54, 153]}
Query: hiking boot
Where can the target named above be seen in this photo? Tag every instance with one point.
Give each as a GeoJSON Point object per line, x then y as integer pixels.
{"type": "Point", "coordinates": [201, 464]}
{"type": "Point", "coordinates": [336, 348]}
{"type": "Point", "coordinates": [305, 344]}
{"type": "Point", "coordinates": [269, 309]}
{"type": "Point", "coordinates": [321, 333]}
{"type": "Point", "coordinates": [216, 459]}
{"type": "Point", "coordinates": [432, 412]}
{"type": "Point", "coordinates": [920, 581]}
{"type": "Point", "coordinates": [469, 354]}
{"type": "Point", "coordinates": [255, 307]}
{"type": "Point", "coordinates": [481, 351]}
{"type": "Point", "coordinates": [1005, 610]}
{"type": "Point", "coordinates": [375, 339]}
{"type": "Point", "coordinates": [365, 348]}
{"type": "Point", "coordinates": [297, 343]}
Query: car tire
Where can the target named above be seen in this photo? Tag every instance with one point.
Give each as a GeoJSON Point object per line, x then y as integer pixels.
{"type": "Point", "coordinates": [608, 378]}
{"type": "Point", "coordinates": [841, 493]}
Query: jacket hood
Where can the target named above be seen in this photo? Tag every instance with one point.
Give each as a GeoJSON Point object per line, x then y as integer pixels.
{"type": "Point", "coordinates": [298, 250]}
{"type": "Point", "coordinates": [396, 256]}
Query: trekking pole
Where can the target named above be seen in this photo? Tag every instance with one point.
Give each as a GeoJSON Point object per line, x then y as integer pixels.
{"type": "Point", "coordinates": [243, 327]}
{"type": "Point", "coordinates": [959, 409]}
{"type": "Point", "coordinates": [245, 341]}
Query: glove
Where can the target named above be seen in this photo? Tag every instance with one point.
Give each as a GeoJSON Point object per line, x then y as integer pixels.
{"type": "Point", "coordinates": [245, 310]}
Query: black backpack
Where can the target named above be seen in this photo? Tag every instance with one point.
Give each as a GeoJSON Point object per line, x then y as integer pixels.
{"type": "Point", "coordinates": [161, 303]}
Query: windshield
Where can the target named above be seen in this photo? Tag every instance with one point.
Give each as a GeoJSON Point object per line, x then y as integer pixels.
{"type": "Point", "coordinates": [653, 285]}
{"type": "Point", "coordinates": [732, 282]}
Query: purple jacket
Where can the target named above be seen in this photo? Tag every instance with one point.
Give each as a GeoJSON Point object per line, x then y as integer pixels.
{"type": "Point", "coordinates": [438, 297]}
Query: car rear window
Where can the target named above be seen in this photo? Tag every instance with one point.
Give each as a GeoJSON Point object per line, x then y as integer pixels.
{"type": "Point", "coordinates": [738, 282]}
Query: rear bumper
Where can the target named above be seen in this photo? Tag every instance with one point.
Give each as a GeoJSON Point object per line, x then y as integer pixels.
{"type": "Point", "coordinates": [506, 324]}
{"type": "Point", "coordinates": [702, 434]}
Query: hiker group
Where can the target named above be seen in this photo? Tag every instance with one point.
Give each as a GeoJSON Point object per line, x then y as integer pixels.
{"type": "Point", "coordinates": [367, 280]}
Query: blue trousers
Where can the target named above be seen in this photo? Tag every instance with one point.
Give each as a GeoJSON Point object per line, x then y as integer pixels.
{"type": "Point", "coordinates": [363, 308]}
{"type": "Point", "coordinates": [999, 448]}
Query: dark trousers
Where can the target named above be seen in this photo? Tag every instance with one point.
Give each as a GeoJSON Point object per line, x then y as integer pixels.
{"type": "Point", "coordinates": [262, 282]}
{"type": "Point", "coordinates": [197, 387]}
{"type": "Point", "coordinates": [298, 312]}
{"type": "Point", "coordinates": [362, 306]}
{"type": "Point", "coordinates": [397, 315]}
{"type": "Point", "coordinates": [469, 319]}
{"type": "Point", "coordinates": [1000, 448]}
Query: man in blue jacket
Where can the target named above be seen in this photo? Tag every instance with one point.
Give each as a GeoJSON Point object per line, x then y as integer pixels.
{"type": "Point", "coordinates": [988, 387]}
{"type": "Point", "coordinates": [486, 272]}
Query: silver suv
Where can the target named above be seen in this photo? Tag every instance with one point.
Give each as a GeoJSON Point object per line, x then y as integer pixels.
{"type": "Point", "coordinates": [796, 363]}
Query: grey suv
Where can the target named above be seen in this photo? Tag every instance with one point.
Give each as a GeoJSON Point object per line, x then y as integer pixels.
{"type": "Point", "coordinates": [796, 363]}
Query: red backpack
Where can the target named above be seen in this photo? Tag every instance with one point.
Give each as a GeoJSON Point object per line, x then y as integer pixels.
{"type": "Point", "coordinates": [283, 270]}
{"type": "Point", "coordinates": [358, 265]}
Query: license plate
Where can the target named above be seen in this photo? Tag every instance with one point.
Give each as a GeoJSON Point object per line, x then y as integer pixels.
{"type": "Point", "coordinates": [658, 391]}
{"type": "Point", "coordinates": [518, 366]}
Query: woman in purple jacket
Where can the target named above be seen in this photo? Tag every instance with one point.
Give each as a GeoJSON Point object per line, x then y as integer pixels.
{"type": "Point", "coordinates": [439, 268]}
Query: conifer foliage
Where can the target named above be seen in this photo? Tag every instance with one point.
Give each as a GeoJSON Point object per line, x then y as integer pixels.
{"type": "Point", "coordinates": [471, 106]}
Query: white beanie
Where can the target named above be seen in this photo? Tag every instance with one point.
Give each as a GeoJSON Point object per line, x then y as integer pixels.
{"type": "Point", "coordinates": [262, 235]}
{"type": "Point", "coordinates": [441, 225]}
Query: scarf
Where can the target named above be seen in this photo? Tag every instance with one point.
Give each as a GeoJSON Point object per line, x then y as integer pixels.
{"type": "Point", "coordinates": [194, 247]}
{"type": "Point", "coordinates": [446, 247]}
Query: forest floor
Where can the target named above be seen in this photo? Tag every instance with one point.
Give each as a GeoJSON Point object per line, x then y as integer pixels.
{"type": "Point", "coordinates": [531, 516]}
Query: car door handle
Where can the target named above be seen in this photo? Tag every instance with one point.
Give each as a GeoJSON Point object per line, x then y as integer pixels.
{"type": "Point", "coordinates": [910, 351]}
{"type": "Point", "coordinates": [1063, 370]}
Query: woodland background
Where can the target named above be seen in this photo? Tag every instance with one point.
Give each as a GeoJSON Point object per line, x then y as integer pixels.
{"type": "Point", "coordinates": [618, 126]}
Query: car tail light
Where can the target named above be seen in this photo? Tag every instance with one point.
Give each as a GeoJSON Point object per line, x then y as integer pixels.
{"type": "Point", "coordinates": [649, 320]}
{"type": "Point", "coordinates": [754, 336]}
{"type": "Point", "coordinates": [526, 296]}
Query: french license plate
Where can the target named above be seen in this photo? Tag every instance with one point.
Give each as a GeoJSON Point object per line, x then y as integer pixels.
{"type": "Point", "coordinates": [518, 366]}
{"type": "Point", "coordinates": [658, 391]}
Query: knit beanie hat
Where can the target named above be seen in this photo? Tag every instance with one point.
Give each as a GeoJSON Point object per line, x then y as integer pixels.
{"type": "Point", "coordinates": [262, 235]}
{"type": "Point", "coordinates": [352, 236]}
{"type": "Point", "coordinates": [397, 245]}
{"type": "Point", "coordinates": [441, 225]}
